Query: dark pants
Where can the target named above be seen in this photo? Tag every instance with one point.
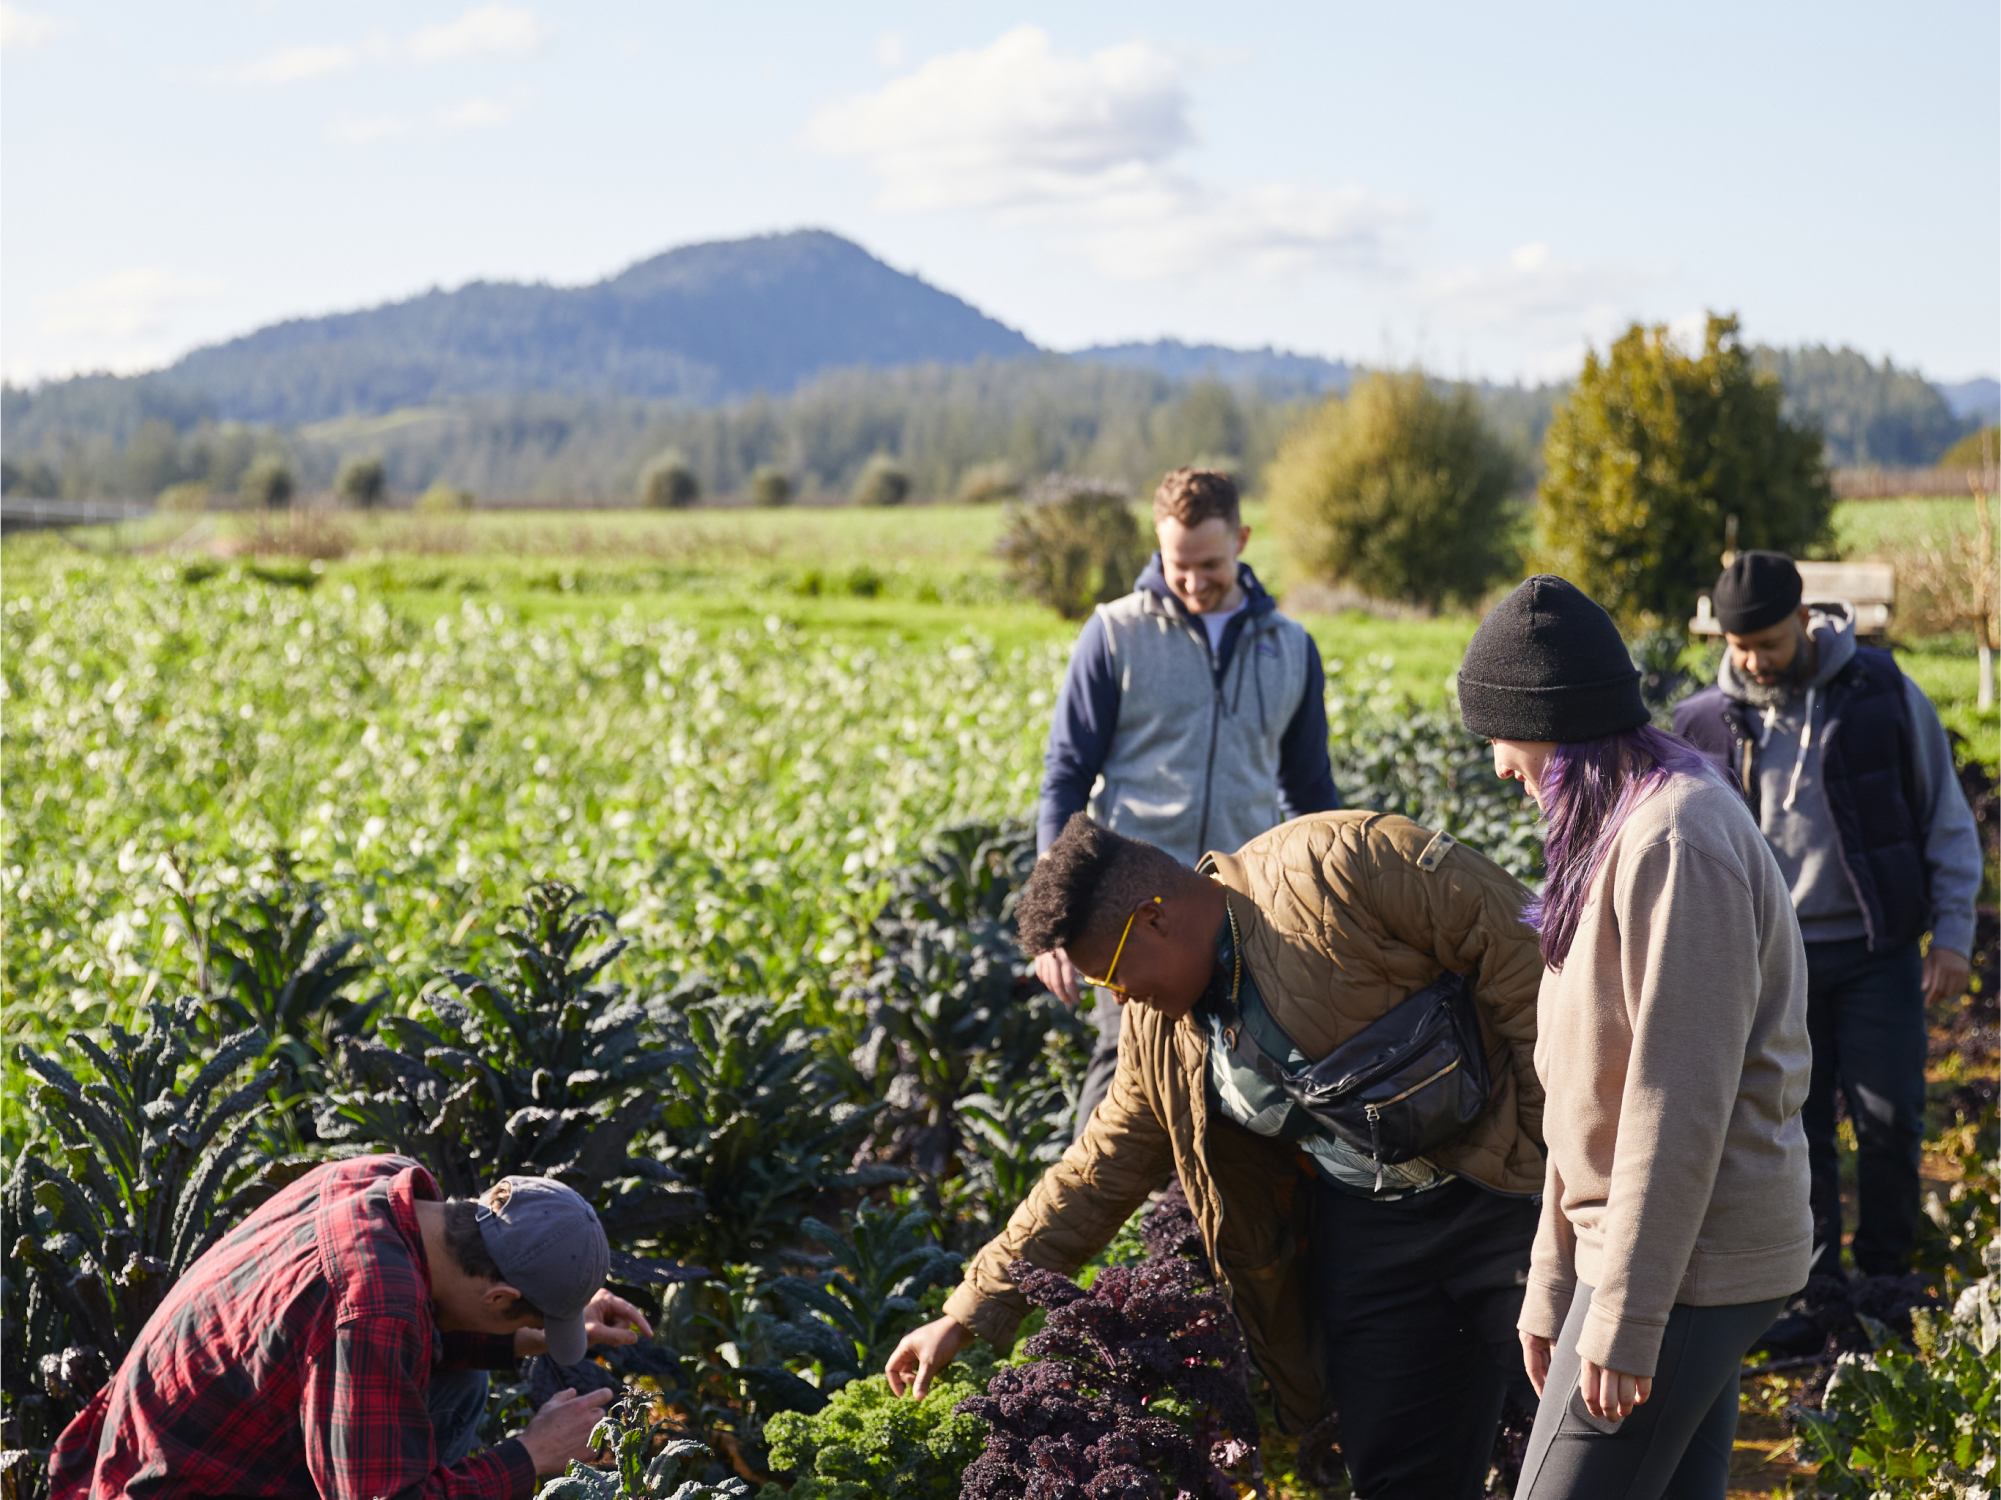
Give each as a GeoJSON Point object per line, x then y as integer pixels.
{"type": "Point", "coordinates": [1676, 1444]}
{"type": "Point", "coordinates": [1417, 1301]}
{"type": "Point", "coordinates": [1866, 1014]}
{"type": "Point", "coordinates": [456, 1402]}
{"type": "Point", "coordinates": [1105, 1016]}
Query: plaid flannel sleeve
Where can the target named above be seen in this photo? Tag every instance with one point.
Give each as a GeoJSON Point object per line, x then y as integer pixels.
{"type": "Point", "coordinates": [368, 1433]}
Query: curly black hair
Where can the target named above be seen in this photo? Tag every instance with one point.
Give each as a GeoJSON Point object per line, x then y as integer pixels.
{"type": "Point", "coordinates": [1088, 884]}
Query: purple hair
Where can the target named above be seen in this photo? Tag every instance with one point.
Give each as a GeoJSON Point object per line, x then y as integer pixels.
{"type": "Point", "coordinates": [1587, 791]}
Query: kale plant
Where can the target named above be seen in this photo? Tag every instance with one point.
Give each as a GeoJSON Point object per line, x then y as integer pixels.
{"type": "Point", "coordinates": [152, 1167]}
{"type": "Point", "coordinates": [540, 1071]}
{"type": "Point", "coordinates": [867, 1444]}
{"type": "Point", "coordinates": [868, 1296]}
{"type": "Point", "coordinates": [759, 1126]}
{"type": "Point", "coordinates": [1008, 1139]}
{"type": "Point", "coordinates": [950, 1008]}
{"type": "Point", "coordinates": [267, 967]}
{"type": "Point", "coordinates": [1917, 1423]}
{"type": "Point", "coordinates": [649, 1461]}
{"type": "Point", "coordinates": [1137, 1389]}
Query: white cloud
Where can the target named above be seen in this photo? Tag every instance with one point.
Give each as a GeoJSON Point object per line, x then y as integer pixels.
{"type": "Point", "coordinates": [476, 113]}
{"type": "Point", "coordinates": [486, 31]}
{"type": "Point", "coordinates": [1559, 306]}
{"type": "Point", "coordinates": [25, 30]}
{"type": "Point", "coordinates": [121, 322]}
{"type": "Point", "coordinates": [293, 65]}
{"type": "Point", "coordinates": [1013, 123]}
{"type": "Point", "coordinates": [1083, 149]}
{"type": "Point", "coordinates": [891, 48]}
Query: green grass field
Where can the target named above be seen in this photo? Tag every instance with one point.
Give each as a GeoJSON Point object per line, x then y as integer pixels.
{"type": "Point", "coordinates": [916, 574]}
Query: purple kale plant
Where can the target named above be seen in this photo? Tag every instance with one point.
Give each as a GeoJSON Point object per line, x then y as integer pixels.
{"type": "Point", "coordinates": [1137, 1392]}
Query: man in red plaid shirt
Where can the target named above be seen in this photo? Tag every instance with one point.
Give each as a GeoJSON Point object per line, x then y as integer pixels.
{"type": "Point", "coordinates": [330, 1347]}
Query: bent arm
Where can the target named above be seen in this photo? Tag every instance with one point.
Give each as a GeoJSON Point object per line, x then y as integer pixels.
{"type": "Point", "coordinates": [368, 1432]}
{"type": "Point", "coordinates": [1467, 913]}
{"type": "Point", "coordinates": [1075, 1210]}
{"type": "Point", "coordinates": [1691, 972]}
{"type": "Point", "coordinates": [1305, 774]}
{"type": "Point", "coordinates": [1080, 734]}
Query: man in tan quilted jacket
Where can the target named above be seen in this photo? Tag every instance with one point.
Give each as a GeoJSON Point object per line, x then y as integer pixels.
{"type": "Point", "coordinates": [1389, 1297]}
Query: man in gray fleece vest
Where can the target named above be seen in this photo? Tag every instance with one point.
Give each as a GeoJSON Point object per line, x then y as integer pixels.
{"type": "Point", "coordinates": [1851, 778]}
{"type": "Point", "coordinates": [1193, 715]}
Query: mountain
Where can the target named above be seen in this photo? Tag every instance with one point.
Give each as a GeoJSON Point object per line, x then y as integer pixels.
{"type": "Point", "coordinates": [703, 323]}
{"type": "Point", "coordinates": [1974, 400]}
{"type": "Point", "coordinates": [1272, 371]}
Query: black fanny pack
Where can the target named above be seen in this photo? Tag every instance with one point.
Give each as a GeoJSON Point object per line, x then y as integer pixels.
{"type": "Point", "coordinates": [1406, 1084]}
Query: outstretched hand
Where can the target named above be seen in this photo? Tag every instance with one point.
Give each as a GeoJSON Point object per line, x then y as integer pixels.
{"type": "Point", "coordinates": [923, 1352]}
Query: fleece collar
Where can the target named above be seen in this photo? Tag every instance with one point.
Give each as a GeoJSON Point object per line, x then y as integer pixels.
{"type": "Point", "coordinates": [1257, 603]}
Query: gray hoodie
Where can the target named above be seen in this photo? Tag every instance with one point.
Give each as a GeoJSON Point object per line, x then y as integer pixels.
{"type": "Point", "coordinates": [1792, 797]}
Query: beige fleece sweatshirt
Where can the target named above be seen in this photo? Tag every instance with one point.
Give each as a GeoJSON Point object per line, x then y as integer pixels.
{"type": "Point", "coordinates": [1673, 1048]}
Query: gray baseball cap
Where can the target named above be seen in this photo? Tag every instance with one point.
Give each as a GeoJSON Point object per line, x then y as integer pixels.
{"type": "Point", "coordinates": [550, 1248]}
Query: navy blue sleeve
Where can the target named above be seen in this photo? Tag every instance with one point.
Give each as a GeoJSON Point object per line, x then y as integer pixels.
{"type": "Point", "coordinates": [1080, 736]}
{"type": "Point", "coordinates": [1305, 776]}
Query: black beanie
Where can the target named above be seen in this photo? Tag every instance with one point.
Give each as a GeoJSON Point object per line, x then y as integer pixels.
{"type": "Point", "coordinates": [1547, 664]}
{"type": "Point", "coordinates": [1757, 589]}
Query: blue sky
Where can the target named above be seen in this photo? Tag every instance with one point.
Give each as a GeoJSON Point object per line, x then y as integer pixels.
{"type": "Point", "coordinates": [1484, 189]}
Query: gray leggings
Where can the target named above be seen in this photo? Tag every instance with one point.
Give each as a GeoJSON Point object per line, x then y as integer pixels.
{"type": "Point", "coordinates": [1676, 1446]}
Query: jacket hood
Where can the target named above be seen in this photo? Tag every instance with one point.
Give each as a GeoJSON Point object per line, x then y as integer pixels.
{"type": "Point", "coordinates": [1832, 630]}
{"type": "Point", "coordinates": [1153, 580]}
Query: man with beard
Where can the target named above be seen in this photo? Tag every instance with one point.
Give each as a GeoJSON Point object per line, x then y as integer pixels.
{"type": "Point", "coordinates": [1851, 777]}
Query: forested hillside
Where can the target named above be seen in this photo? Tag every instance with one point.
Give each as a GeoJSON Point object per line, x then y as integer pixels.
{"type": "Point", "coordinates": [801, 352]}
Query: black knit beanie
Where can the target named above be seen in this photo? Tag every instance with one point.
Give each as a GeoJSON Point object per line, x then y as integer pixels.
{"type": "Point", "coordinates": [1547, 664]}
{"type": "Point", "coordinates": [1757, 589]}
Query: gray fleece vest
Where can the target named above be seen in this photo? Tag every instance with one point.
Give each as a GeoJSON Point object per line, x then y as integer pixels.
{"type": "Point", "coordinates": [1194, 763]}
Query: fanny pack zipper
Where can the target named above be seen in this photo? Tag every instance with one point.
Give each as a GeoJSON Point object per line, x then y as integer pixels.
{"type": "Point", "coordinates": [1374, 1115]}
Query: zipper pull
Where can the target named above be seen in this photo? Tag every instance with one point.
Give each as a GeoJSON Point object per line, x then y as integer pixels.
{"type": "Point", "coordinates": [1375, 1140]}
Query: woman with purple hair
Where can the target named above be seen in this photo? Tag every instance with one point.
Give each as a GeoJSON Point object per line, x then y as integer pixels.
{"type": "Point", "coordinates": [1671, 1039]}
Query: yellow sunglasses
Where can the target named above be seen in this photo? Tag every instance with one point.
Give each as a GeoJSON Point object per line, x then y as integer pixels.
{"type": "Point", "coordinates": [1118, 952]}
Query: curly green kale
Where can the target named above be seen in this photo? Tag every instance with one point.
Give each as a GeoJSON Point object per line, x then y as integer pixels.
{"type": "Point", "coordinates": [866, 1444]}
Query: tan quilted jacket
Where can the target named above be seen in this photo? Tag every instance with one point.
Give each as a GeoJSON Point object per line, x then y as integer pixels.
{"type": "Point", "coordinates": [1343, 915]}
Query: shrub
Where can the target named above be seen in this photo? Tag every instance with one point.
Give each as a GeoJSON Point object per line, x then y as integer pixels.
{"type": "Point", "coordinates": [268, 483]}
{"type": "Point", "coordinates": [667, 483]}
{"type": "Point", "coordinates": [1396, 490]}
{"type": "Point", "coordinates": [984, 483]}
{"type": "Point", "coordinates": [33, 480]}
{"type": "Point", "coordinates": [442, 499]}
{"type": "Point", "coordinates": [1651, 454]}
{"type": "Point", "coordinates": [1976, 450]}
{"type": "Point", "coordinates": [770, 486]}
{"type": "Point", "coordinates": [187, 498]}
{"type": "Point", "coordinates": [882, 481]}
{"type": "Point", "coordinates": [362, 483]}
{"type": "Point", "coordinates": [1073, 544]}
